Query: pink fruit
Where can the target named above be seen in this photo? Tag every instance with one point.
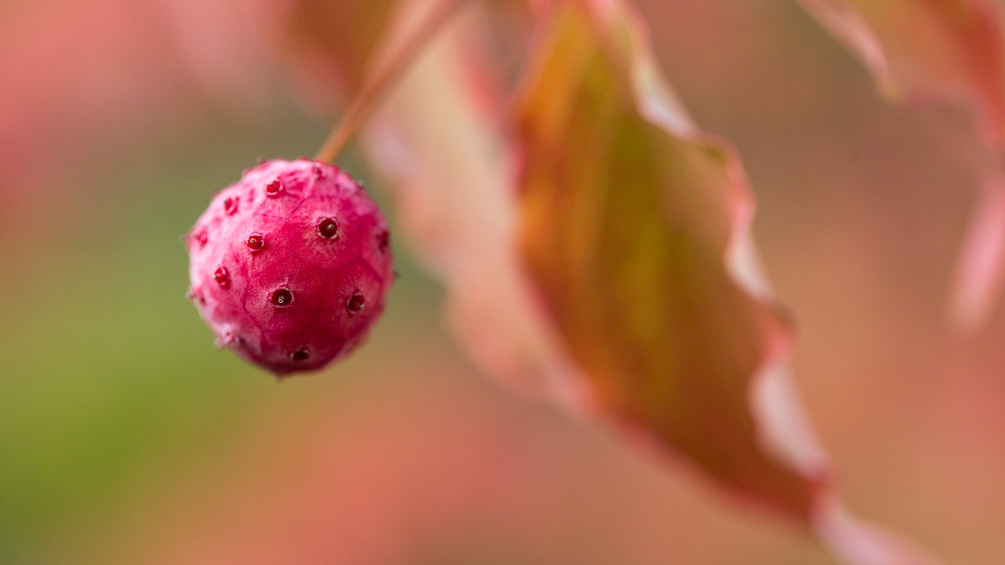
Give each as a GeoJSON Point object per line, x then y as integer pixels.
{"type": "Point", "coordinates": [290, 266]}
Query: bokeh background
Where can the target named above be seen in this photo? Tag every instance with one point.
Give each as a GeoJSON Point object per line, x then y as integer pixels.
{"type": "Point", "coordinates": [125, 437]}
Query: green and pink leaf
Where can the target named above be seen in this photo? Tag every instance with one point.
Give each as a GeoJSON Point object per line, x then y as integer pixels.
{"type": "Point", "coordinates": [634, 228]}
{"type": "Point", "coordinates": [614, 271]}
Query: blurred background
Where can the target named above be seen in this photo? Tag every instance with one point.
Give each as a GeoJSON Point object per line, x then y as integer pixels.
{"type": "Point", "coordinates": [125, 437]}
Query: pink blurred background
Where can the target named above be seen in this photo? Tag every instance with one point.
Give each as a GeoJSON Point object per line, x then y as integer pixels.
{"type": "Point", "coordinates": [125, 438]}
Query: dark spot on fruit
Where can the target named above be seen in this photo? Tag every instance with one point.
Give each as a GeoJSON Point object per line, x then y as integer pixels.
{"type": "Point", "coordinates": [230, 206]}
{"type": "Point", "coordinates": [222, 277]}
{"type": "Point", "coordinates": [383, 238]}
{"type": "Point", "coordinates": [355, 303]}
{"type": "Point", "coordinates": [274, 188]}
{"type": "Point", "coordinates": [300, 355]}
{"type": "Point", "coordinates": [256, 242]}
{"type": "Point", "coordinates": [317, 171]}
{"type": "Point", "coordinates": [327, 228]}
{"type": "Point", "coordinates": [282, 297]}
{"type": "Point", "coordinates": [201, 237]}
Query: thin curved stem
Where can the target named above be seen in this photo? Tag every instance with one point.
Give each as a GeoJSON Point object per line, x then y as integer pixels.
{"type": "Point", "coordinates": [379, 84]}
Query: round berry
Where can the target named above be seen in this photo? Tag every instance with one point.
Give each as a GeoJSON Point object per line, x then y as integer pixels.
{"type": "Point", "coordinates": [310, 293]}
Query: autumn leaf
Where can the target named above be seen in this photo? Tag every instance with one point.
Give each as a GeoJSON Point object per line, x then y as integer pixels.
{"type": "Point", "coordinates": [626, 229]}
{"type": "Point", "coordinates": [335, 49]}
{"type": "Point", "coordinates": [633, 226]}
{"type": "Point", "coordinates": [927, 49]}
{"type": "Point", "coordinates": [922, 50]}
{"type": "Point", "coordinates": [680, 284]}
{"type": "Point", "coordinates": [445, 161]}
{"type": "Point", "coordinates": [331, 44]}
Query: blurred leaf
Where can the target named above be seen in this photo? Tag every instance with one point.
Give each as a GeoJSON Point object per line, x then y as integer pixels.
{"type": "Point", "coordinates": [634, 228]}
{"type": "Point", "coordinates": [332, 42]}
{"type": "Point", "coordinates": [626, 229]}
{"type": "Point", "coordinates": [951, 50]}
{"type": "Point", "coordinates": [924, 49]}
{"type": "Point", "coordinates": [448, 163]}
{"type": "Point", "coordinates": [444, 158]}
{"type": "Point", "coordinates": [979, 269]}
{"type": "Point", "coordinates": [335, 47]}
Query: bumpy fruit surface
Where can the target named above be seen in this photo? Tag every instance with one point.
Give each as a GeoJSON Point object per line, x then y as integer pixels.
{"type": "Point", "coordinates": [290, 266]}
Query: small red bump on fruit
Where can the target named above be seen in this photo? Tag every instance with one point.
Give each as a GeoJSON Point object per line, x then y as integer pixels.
{"type": "Point", "coordinates": [256, 242]}
{"type": "Point", "coordinates": [282, 297]}
{"type": "Point", "coordinates": [317, 171]}
{"type": "Point", "coordinates": [230, 206]}
{"type": "Point", "coordinates": [327, 228]}
{"type": "Point", "coordinates": [356, 302]}
{"type": "Point", "coordinates": [274, 188]}
{"type": "Point", "coordinates": [201, 237]}
{"type": "Point", "coordinates": [222, 277]}
{"type": "Point", "coordinates": [230, 338]}
{"type": "Point", "coordinates": [195, 295]}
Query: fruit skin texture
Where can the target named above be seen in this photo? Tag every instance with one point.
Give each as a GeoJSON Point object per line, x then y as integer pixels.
{"type": "Point", "coordinates": [290, 266]}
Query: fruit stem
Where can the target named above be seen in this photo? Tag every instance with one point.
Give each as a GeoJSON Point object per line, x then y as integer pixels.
{"type": "Point", "coordinates": [378, 84]}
